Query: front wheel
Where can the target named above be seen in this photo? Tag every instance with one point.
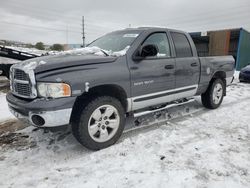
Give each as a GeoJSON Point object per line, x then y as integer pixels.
{"type": "Point", "coordinates": [101, 123]}
{"type": "Point", "coordinates": [213, 97]}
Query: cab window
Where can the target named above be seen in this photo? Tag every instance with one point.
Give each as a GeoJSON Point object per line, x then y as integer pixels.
{"type": "Point", "coordinates": [161, 41]}
{"type": "Point", "coordinates": [182, 45]}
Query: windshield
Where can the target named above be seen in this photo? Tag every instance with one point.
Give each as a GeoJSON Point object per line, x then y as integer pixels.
{"type": "Point", "coordinates": [115, 42]}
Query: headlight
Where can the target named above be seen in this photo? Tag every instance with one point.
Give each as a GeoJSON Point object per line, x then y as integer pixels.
{"type": "Point", "coordinates": [53, 90]}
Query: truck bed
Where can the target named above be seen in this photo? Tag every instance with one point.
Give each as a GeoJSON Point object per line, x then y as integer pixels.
{"type": "Point", "coordinates": [212, 64]}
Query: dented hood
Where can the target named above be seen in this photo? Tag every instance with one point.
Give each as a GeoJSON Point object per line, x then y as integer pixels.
{"type": "Point", "coordinates": [53, 62]}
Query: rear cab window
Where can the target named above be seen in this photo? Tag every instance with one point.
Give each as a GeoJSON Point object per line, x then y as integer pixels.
{"type": "Point", "coordinates": [182, 45]}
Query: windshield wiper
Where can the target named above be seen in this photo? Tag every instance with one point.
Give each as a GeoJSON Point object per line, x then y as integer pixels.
{"type": "Point", "coordinates": [105, 53]}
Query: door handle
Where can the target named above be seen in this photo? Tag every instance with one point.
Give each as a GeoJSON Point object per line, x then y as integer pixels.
{"type": "Point", "coordinates": [169, 67]}
{"type": "Point", "coordinates": [194, 64]}
{"type": "Point", "coordinates": [134, 68]}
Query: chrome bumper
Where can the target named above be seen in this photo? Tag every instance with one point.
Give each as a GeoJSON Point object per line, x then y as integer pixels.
{"type": "Point", "coordinates": [47, 118]}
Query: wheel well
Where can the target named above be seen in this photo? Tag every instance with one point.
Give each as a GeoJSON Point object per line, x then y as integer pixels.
{"type": "Point", "coordinates": [103, 90]}
{"type": "Point", "coordinates": [221, 75]}
{"type": "Point", "coordinates": [110, 90]}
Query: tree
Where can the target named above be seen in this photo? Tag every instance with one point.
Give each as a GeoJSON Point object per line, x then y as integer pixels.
{"type": "Point", "coordinates": [39, 46]}
{"type": "Point", "coordinates": [57, 47]}
{"type": "Point", "coordinates": [29, 45]}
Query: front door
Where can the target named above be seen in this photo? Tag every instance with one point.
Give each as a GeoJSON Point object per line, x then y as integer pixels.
{"type": "Point", "coordinates": [153, 77]}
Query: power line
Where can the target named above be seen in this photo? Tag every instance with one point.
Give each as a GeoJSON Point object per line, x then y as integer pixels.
{"type": "Point", "coordinates": [48, 11]}
{"type": "Point", "coordinates": [204, 12]}
{"type": "Point", "coordinates": [44, 12]}
{"type": "Point", "coordinates": [55, 14]}
{"type": "Point", "coordinates": [210, 20]}
{"type": "Point", "coordinates": [91, 27]}
{"type": "Point", "coordinates": [40, 27]}
{"type": "Point", "coordinates": [89, 22]}
{"type": "Point", "coordinates": [206, 18]}
{"type": "Point", "coordinates": [71, 23]}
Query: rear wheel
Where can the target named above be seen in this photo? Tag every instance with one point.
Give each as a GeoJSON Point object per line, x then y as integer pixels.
{"type": "Point", "coordinates": [213, 97]}
{"type": "Point", "coordinates": [101, 123]}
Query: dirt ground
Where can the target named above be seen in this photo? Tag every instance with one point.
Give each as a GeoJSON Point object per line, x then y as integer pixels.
{"type": "Point", "coordinates": [8, 136]}
{"type": "Point", "coordinates": [4, 84]}
{"type": "Point", "coordinates": [9, 127]}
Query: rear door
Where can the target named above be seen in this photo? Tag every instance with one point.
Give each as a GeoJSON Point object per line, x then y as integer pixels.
{"type": "Point", "coordinates": [187, 70]}
{"type": "Point", "coordinates": [152, 77]}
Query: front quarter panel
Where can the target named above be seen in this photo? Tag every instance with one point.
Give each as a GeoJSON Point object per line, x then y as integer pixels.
{"type": "Point", "coordinates": [82, 78]}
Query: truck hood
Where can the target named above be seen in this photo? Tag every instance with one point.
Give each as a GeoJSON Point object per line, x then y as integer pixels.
{"type": "Point", "coordinates": [53, 62]}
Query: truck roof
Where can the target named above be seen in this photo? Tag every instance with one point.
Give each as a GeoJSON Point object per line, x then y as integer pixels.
{"type": "Point", "coordinates": [154, 28]}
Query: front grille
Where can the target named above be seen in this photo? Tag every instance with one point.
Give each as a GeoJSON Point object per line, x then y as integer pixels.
{"type": "Point", "coordinates": [21, 83]}
{"type": "Point", "coordinates": [21, 75]}
{"type": "Point", "coordinates": [23, 89]}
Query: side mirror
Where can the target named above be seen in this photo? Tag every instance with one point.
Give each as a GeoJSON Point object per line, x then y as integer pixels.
{"type": "Point", "coordinates": [149, 50]}
{"type": "Point", "coordinates": [146, 51]}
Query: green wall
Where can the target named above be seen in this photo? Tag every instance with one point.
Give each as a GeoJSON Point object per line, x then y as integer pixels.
{"type": "Point", "coordinates": [243, 54]}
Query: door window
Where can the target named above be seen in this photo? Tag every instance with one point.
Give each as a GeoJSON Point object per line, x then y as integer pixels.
{"type": "Point", "coordinates": [161, 41]}
{"type": "Point", "coordinates": [182, 45]}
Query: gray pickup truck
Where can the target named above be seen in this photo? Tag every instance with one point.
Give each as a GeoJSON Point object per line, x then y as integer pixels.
{"type": "Point", "coordinates": [127, 72]}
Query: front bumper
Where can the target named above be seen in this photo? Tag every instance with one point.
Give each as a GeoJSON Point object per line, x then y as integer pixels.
{"type": "Point", "coordinates": [42, 112]}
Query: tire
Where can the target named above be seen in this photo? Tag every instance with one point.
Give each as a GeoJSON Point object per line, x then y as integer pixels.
{"type": "Point", "coordinates": [211, 100]}
{"type": "Point", "coordinates": [100, 124]}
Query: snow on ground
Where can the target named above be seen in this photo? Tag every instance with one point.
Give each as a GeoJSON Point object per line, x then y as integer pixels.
{"type": "Point", "coordinates": [4, 111]}
{"type": "Point", "coordinates": [197, 148]}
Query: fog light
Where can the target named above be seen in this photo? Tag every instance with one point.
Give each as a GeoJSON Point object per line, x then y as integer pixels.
{"type": "Point", "coordinates": [37, 120]}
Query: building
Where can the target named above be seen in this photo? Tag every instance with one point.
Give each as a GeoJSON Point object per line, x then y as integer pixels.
{"type": "Point", "coordinates": [235, 42]}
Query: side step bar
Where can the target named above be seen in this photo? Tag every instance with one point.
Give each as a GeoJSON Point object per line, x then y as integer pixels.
{"type": "Point", "coordinates": [138, 114]}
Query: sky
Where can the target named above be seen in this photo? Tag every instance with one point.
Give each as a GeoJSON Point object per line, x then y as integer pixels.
{"type": "Point", "coordinates": [60, 21]}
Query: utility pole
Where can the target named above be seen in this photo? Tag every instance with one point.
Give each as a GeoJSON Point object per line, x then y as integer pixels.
{"type": "Point", "coordinates": [67, 35]}
{"type": "Point", "coordinates": [83, 33]}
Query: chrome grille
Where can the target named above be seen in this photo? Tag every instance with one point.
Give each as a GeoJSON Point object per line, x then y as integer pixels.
{"type": "Point", "coordinates": [21, 75]}
{"type": "Point", "coordinates": [23, 89]}
{"type": "Point", "coordinates": [21, 83]}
